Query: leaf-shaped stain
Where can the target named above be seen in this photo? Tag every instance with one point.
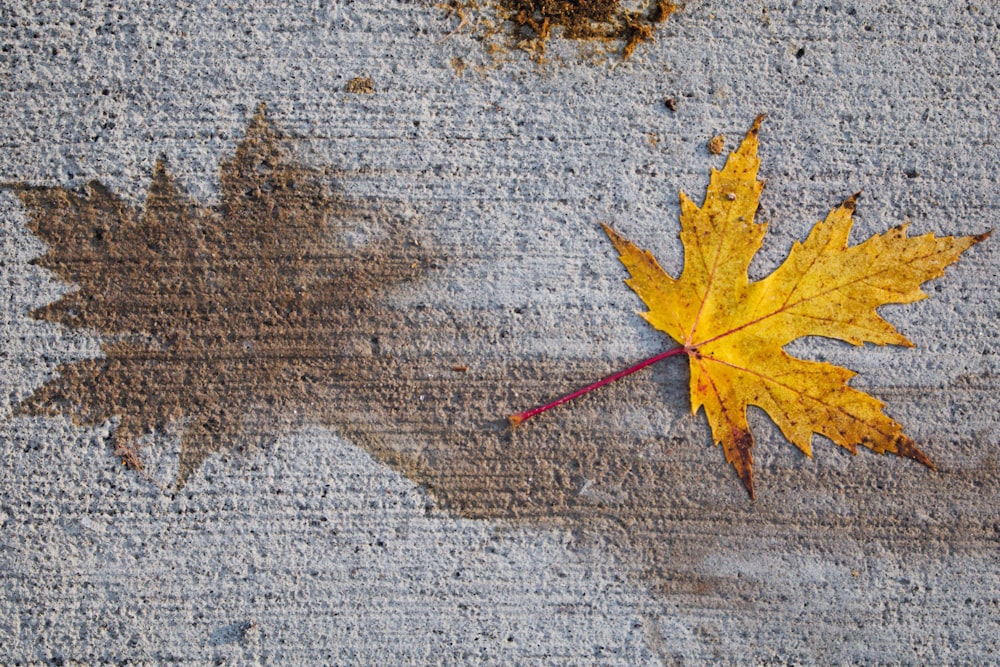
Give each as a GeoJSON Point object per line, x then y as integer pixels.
{"type": "Point", "coordinates": [220, 318]}
{"type": "Point", "coordinates": [244, 318]}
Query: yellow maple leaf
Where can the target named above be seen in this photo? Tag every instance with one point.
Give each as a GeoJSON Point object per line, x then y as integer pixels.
{"type": "Point", "coordinates": [733, 330]}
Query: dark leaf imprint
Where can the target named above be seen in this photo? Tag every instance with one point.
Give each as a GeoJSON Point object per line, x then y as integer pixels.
{"type": "Point", "coordinates": [229, 320]}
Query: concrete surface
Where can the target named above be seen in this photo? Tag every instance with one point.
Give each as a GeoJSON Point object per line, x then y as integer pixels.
{"type": "Point", "coordinates": [311, 550]}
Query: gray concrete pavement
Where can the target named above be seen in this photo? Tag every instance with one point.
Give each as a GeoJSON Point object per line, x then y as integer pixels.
{"type": "Point", "coordinates": [312, 550]}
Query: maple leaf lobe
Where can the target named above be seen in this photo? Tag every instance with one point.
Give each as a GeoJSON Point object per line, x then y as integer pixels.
{"type": "Point", "coordinates": [734, 330]}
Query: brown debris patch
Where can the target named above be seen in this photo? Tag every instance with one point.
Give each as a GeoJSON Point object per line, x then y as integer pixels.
{"type": "Point", "coordinates": [229, 320]}
{"type": "Point", "coordinates": [716, 144]}
{"type": "Point", "coordinates": [530, 24]}
{"type": "Point", "coordinates": [458, 64]}
{"type": "Point", "coordinates": [360, 85]}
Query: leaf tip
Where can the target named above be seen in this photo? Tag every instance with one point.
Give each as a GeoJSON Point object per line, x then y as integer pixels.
{"type": "Point", "coordinates": [739, 454]}
{"type": "Point", "coordinates": [906, 448]}
{"type": "Point", "coordinates": [979, 238]}
{"type": "Point", "coordinates": [616, 239]}
{"type": "Point", "coordinates": [161, 182]}
{"type": "Point", "coordinates": [748, 483]}
{"type": "Point", "coordinates": [851, 202]}
{"type": "Point", "coordinates": [515, 420]}
{"type": "Point", "coordinates": [260, 125]}
{"type": "Point", "coordinates": [746, 150]}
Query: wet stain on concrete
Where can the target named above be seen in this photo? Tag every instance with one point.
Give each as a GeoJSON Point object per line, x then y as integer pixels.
{"type": "Point", "coordinates": [227, 319]}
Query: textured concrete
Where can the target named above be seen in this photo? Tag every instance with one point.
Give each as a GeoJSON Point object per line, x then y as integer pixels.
{"type": "Point", "coordinates": [311, 550]}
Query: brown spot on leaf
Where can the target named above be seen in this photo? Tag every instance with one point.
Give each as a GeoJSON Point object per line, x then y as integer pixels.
{"type": "Point", "coordinates": [979, 238]}
{"type": "Point", "coordinates": [907, 448]}
{"type": "Point", "coordinates": [741, 456]}
{"type": "Point", "coordinates": [851, 202]}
